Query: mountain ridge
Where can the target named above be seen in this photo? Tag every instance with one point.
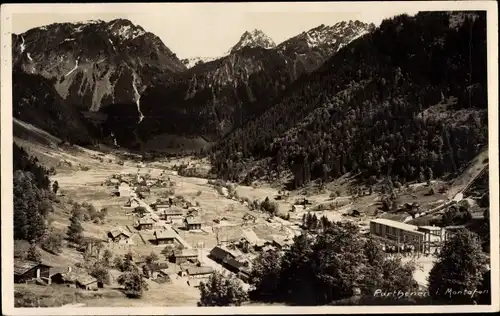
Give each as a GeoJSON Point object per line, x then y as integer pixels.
{"type": "Point", "coordinates": [350, 114]}
{"type": "Point", "coordinates": [129, 75]}
{"type": "Point", "coordinates": [95, 63]}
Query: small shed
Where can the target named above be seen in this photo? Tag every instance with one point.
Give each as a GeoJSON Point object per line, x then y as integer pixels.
{"type": "Point", "coordinates": [192, 222]}
{"type": "Point", "coordinates": [119, 235]}
{"type": "Point", "coordinates": [87, 282]}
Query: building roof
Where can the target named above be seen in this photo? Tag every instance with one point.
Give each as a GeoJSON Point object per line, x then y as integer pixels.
{"type": "Point", "coordinates": [85, 279]}
{"type": "Point", "coordinates": [399, 225]}
{"type": "Point", "coordinates": [432, 228]}
{"type": "Point", "coordinates": [76, 276]}
{"type": "Point", "coordinates": [174, 211]}
{"type": "Point", "coordinates": [186, 253]}
{"type": "Point", "coordinates": [220, 253]}
{"type": "Point", "coordinates": [162, 205]}
{"type": "Point", "coordinates": [145, 221]}
{"type": "Point", "coordinates": [193, 220]}
{"type": "Point", "coordinates": [281, 241]}
{"type": "Point", "coordinates": [233, 263]}
{"type": "Point", "coordinates": [157, 266]}
{"type": "Point", "coordinates": [399, 216]}
{"type": "Point", "coordinates": [119, 231]}
{"type": "Point", "coordinates": [251, 237]}
{"type": "Point", "coordinates": [165, 234]}
{"type": "Point", "coordinates": [23, 266]}
{"type": "Point", "coordinates": [200, 270]}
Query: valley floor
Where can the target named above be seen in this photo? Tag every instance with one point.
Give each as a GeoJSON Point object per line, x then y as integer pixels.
{"type": "Point", "coordinates": [82, 173]}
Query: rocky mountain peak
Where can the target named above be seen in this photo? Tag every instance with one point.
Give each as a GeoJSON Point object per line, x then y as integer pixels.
{"type": "Point", "coordinates": [95, 63]}
{"type": "Point", "coordinates": [254, 38]}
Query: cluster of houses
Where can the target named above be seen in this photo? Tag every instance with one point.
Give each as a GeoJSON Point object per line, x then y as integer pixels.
{"type": "Point", "coordinates": [180, 263]}
{"type": "Point", "coordinates": [26, 271]}
{"type": "Point", "coordinates": [237, 256]}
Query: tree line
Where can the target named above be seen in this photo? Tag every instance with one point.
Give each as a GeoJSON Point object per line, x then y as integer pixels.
{"type": "Point", "coordinates": [338, 267]}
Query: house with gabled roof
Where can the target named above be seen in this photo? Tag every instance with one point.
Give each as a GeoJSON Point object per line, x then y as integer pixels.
{"type": "Point", "coordinates": [166, 236]}
{"type": "Point", "coordinates": [119, 235]}
{"type": "Point", "coordinates": [199, 272]}
{"type": "Point", "coordinates": [183, 256]}
{"type": "Point", "coordinates": [192, 222]}
{"type": "Point", "coordinates": [145, 223]}
{"type": "Point", "coordinates": [76, 278]}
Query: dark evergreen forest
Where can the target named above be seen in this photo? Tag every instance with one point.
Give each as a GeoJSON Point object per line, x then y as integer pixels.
{"type": "Point", "coordinates": [407, 101]}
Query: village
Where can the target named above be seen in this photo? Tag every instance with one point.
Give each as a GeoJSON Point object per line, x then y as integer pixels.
{"type": "Point", "coordinates": [195, 226]}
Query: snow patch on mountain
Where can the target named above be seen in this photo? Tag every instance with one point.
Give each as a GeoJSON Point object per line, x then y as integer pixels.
{"type": "Point", "coordinates": [137, 97]}
{"type": "Point", "coordinates": [128, 32]}
{"type": "Point", "coordinates": [29, 56]}
{"type": "Point", "coordinates": [76, 66]}
{"type": "Point", "coordinates": [329, 37]}
{"type": "Point", "coordinates": [193, 61]}
{"type": "Point", "coordinates": [23, 46]}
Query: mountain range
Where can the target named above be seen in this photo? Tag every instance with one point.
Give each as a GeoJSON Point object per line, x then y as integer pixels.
{"type": "Point", "coordinates": [408, 101]}
{"type": "Point", "coordinates": [120, 70]}
{"type": "Point", "coordinates": [400, 99]}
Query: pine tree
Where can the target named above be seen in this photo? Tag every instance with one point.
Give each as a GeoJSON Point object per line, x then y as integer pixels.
{"type": "Point", "coordinates": [33, 254]}
{"type": "Point", "coordinates": [75, 229]}
{"type": "Point", "coordinates": [219, 290]}
{"type": "Point", "coordinates": [459, 267]}
{"type": "Point", "coordinates": [133, 283]}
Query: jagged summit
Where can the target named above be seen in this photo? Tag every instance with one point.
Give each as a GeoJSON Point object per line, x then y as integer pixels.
{"type": "Point", "coordinates": [255, 38]}
{"type": "Point", "coordinates": [334, 36]}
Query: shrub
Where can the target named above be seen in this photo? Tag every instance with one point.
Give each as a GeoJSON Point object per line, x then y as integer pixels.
{"type": "Point", "coordinates": [53, 242]}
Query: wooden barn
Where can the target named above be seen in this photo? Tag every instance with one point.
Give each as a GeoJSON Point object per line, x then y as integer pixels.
{"type": "Point", "coordinates": [25, 270]}
{"type": "Point", "coordinates": [76, 278]}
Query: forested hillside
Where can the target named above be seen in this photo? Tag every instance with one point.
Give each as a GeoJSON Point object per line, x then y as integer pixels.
{"type": "Point", "coordinates": [408, 100]}
{"type": "Point", "coordinates": [31, 196]}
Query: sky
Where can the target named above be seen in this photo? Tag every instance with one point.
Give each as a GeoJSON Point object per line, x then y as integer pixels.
{"type": "Point", "coordinates": [210, 30]}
